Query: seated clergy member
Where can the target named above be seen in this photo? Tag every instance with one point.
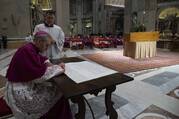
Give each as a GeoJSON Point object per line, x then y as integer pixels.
{"type": "Point", "coordinates": [28, 93]}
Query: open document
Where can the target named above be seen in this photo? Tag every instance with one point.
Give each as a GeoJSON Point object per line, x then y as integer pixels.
{"type": "Point", "coordinates": [85, 70]}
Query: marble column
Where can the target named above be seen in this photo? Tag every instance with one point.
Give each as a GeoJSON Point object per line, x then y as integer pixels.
{"type": "Point", "coordinates": [95, 16]}
{"type": "Point", "coordinates": [63, 15]}
{"type": "Point", "coordinates": [127, 16]}
{"type": "Point", "coordinates": [99, 16]}
{"type": "Point", "coordinates": [79, 15]}
{"type": "Point", "coordinates": [103, 17]}
{"type": "Point", "coordinates": [146, 13]}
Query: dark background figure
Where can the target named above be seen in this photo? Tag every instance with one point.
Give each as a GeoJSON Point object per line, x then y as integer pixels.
{"type": "Point", "coordinates": [173, 25]}
{"type": "Point", "coordinates": [4, 41]}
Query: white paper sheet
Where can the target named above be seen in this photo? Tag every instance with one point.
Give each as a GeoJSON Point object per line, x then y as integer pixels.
{"type": "Point", "coordinates": [84, 71]}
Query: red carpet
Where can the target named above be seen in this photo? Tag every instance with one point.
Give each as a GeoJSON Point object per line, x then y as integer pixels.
{"type": "Point", "coordinates": [116, 61]}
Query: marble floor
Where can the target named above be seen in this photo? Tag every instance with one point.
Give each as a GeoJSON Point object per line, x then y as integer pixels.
{"type": "Point", "coordinates": [153, 94]}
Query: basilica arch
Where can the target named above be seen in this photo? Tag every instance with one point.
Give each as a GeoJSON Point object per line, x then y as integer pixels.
{"type": "Point", "coordinates": [167, 20]}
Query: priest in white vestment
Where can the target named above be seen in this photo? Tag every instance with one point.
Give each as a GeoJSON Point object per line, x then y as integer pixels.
{"type": "Point", "coordinates": [55, 51]}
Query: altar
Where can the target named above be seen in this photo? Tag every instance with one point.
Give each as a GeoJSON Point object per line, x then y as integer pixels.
{"type": "Point", "coordinates": [140, 45]}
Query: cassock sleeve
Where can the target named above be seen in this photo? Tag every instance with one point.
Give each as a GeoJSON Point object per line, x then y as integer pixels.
{"type": "Point", "coordinates": [26, 65]}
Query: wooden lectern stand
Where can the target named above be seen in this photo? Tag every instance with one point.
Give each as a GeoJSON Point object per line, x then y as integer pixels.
{"type": "Point", "coordinates": [140, 44]}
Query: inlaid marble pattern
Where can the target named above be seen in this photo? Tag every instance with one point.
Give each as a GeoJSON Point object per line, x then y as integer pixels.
{"type": "Point", "coordinates": [98, 106]}
{"type": "Point", "coordinates": [174, 93]}
{"type": "Point", "coordinates": [154, 112]}
{"type": "Point", "coordinates": [161, 78]}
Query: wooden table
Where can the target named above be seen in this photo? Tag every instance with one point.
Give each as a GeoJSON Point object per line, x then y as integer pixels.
{"type": "Point", "coordinates": [75, 91]}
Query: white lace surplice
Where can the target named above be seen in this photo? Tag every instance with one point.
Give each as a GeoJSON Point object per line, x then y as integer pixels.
{"type": "Point", "coordinates": [31, 100]}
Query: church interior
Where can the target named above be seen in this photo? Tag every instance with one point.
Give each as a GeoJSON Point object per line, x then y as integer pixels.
{"type": "Point", "coordinates": [138, 39]}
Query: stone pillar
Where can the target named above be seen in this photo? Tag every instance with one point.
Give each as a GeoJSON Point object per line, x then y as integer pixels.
{"type": "Point", "coordinates": [149, 14]}
{"type": "Point", "coordinates": [79, 15]}
{"type": "Point", "coordinates": [99, 16]}
{"type": "Point", "coordinates": [104, 27]}
{"type": "Point", "coordinates": [103, 17]}
{"type": "Point", "coordinates": [127, 16]}
{"type": "Point", "coordinates": [95, 16]}
{"type": "Point", "coordinates": [63, 15]}
{"type": "Point", "coordinates": [146, 13]}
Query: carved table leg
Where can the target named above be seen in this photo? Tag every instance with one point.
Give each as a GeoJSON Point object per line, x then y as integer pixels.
{"type": "Point", "coordinates": [79, 100]}
{"type": "Point", "coordinates": [110, 111]}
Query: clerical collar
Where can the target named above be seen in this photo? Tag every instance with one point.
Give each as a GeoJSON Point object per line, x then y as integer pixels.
{"type": "Point", "coordinates": [47, 25]}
